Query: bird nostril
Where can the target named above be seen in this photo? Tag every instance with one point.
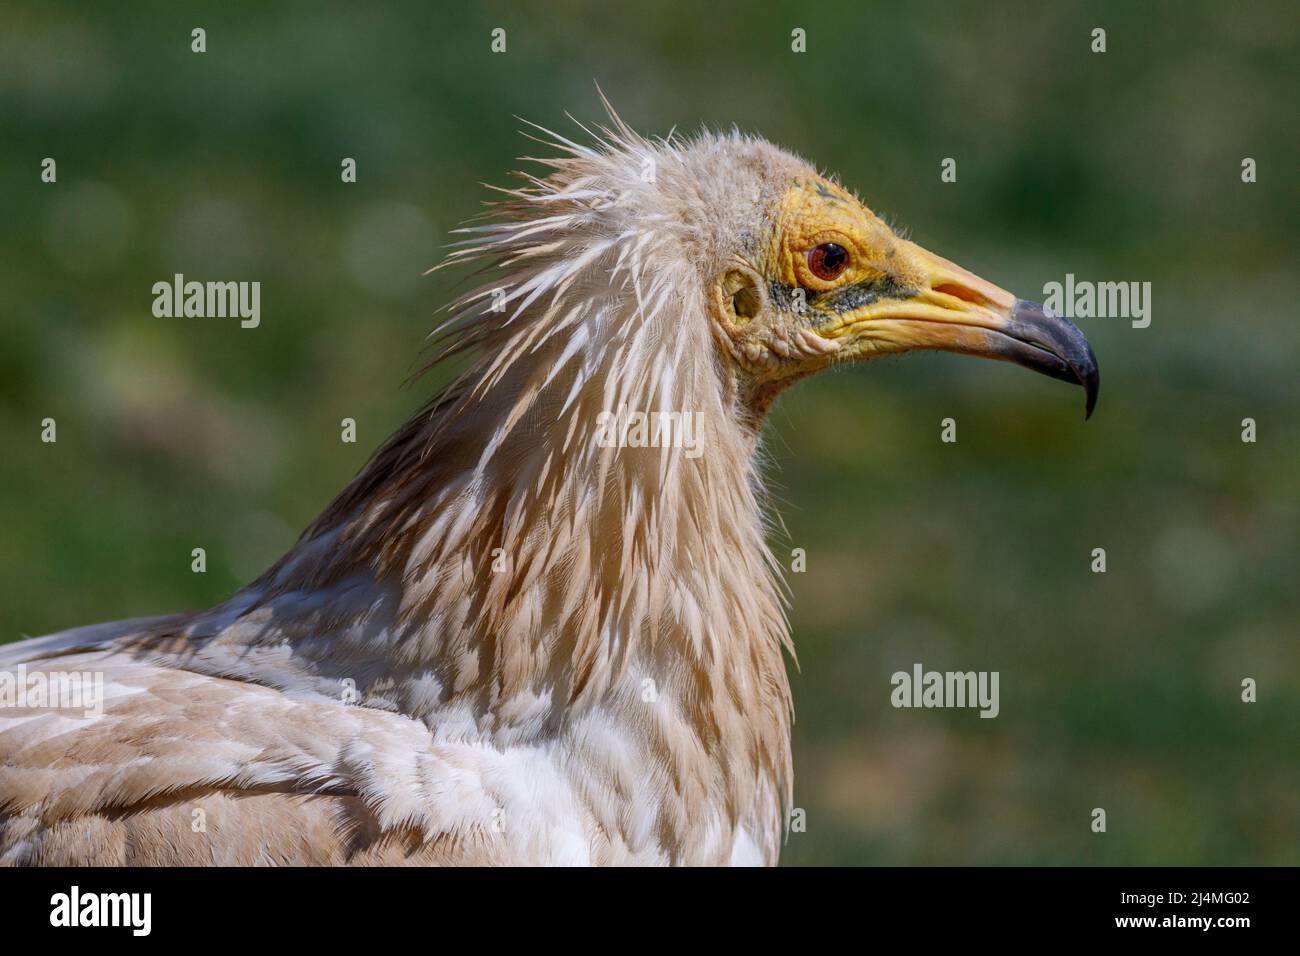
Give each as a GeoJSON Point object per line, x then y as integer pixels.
{"type": "Point", "coordinates": [957, 291]}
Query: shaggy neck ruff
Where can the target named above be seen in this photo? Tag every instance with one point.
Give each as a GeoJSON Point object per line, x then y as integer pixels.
{"type": "Point", "coordinates": [498, 560]}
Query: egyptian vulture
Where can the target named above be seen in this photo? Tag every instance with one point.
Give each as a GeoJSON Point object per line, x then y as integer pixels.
{"type": "Point", "coordinates": [510, 639]}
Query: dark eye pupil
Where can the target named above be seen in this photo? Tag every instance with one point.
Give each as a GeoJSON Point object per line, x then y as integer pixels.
{"type": "Point", "coordinates": [828, 260]}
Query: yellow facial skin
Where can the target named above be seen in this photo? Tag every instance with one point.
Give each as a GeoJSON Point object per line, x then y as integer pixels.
{"type": "Point", "coordinates": [943, 293]}
{"type": "Point", "coordinates": [892, 296]}
{"type": "Point", "coordinates": [815, 212]}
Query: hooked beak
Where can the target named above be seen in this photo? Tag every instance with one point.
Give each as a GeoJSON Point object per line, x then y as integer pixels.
{"type": "Point", "coordinates": [1050, 344]}
{"type": "Point", "coordinates": [956, 311]}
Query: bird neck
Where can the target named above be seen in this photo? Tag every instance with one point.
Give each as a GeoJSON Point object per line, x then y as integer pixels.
{"type": "Point", "coordinates": [573, 536]}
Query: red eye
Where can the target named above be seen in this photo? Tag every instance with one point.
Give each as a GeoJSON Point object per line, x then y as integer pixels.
{"type": "Point", "coordinates": [828, 260]}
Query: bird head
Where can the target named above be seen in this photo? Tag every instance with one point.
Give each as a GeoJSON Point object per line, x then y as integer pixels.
{"type": "Point", "coordinates": [638, 269]}
{"type": "Point", "coordinates": [826, 280]}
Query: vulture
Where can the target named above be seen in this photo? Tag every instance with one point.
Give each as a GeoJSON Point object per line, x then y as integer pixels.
{"type": "Point", "coordinates": [543, 624]}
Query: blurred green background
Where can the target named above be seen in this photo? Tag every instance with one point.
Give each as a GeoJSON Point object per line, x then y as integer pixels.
{"type": "Point", "coordinates": [1119, 690]}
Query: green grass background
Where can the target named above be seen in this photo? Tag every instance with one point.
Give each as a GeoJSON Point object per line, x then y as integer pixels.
{"type": "Point", "coordinates": [1118, 690]}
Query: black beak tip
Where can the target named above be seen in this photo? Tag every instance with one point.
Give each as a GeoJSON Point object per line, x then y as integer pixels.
{"type": "Point", "coordinates": [1052, 344]}
{"type": "Point", "coordinates": [1090, 379]}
